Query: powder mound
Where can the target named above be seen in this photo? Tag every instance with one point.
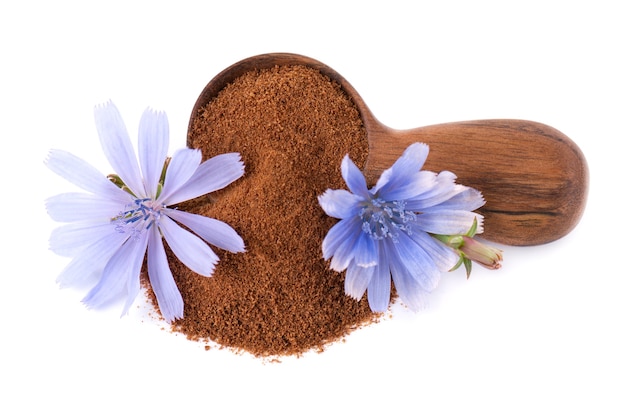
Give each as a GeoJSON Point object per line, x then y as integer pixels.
{"type": "Point", "coordinates": [292, 126]}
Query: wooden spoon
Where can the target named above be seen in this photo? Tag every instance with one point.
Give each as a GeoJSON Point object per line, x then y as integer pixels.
{"type": "Point", "coordinates": [533, 177]}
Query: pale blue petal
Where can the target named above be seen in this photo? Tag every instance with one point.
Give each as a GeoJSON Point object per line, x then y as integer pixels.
{"type": "Point", "coordinates": [340, 203]}
{"type": "Point", "coordinates": [70, 239]}
{"type": "Point", "coordinates": [446, 222]}
{"type": "Point", "coordinates": [409, 290]}
{"type": "Point", "coordinates": [365, 251]}
{"type": "Point", "coordinates": [442, 255]}
{"type": "Point", "coordinates": [71, 207]}
{"type": "Point", "coordinates": [468, 199]}
{"type": "Point", "coordinates": [444, 189]}
{"type": "Point", "coordinates": [357, 280]}
{"type": "Point", "coordinates": [82, 174]}
{"type": "Point", "coordinates": [133, 277]}
{"type": "Point", "coordinates": [115, 276]}
{"type": "Point", "coordinates": [212, 175]}
{"type": "Point", "coordinates": [341, 238]}
{"type": "Point", "coordinates": [412, 259]}
{"type": "Point", "coordinates": [354, 178]}
{"type": "Point", "coordinates": [337, 235]}
{"type": "Point", "coordinates": [152, 147]}
{"type": "Point", "coordinates": [418, 183]}
{"type": "Point", "coordinates": [183, 165]}
{"type": "Point", "coordinates": [190, 249]}
{"type": "Point", "coordinates": [403, 169]}
{"type": "Point", "coordinates": [215, 232]}
{"type": "Point", "coordinates": [91, 260]}
{"type": "Point", "coordinates": [168, 297]}
{"type": "Point", "coordinates": [379, 288]}
{"type": "Point", "coordinates": [414, 156]}
{"type": "Point", "coordinates": [117, 146]}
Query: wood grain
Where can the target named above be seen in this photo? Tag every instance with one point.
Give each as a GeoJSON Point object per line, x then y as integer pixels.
{"type": "Point", "coordinates": [533, 177]}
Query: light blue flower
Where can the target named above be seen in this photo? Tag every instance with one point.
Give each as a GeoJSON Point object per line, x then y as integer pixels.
{"type": "Point", "coordinates": [109, 229]}
{"type": "Point", "coordinates": [384, 233]}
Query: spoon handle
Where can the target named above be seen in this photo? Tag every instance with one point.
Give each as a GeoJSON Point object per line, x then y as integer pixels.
{"type": "Point", "coordinates": [533, 177]}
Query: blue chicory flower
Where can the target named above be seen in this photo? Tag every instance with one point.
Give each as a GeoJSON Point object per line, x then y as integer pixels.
{"type": "Point", "coordinates": [385, 232]}
{"type": "Point", "coordinates": [110, 228]}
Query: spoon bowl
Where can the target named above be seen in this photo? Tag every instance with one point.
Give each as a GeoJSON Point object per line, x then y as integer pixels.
{"type": "Point", "coordinates": [533, 177]}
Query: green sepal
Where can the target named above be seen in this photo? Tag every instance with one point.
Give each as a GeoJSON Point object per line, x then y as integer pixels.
{"type": "Point", "coordinates": [473, 229]}
{"type": "Point", "coordinates": [117, 180]}
{"type": "Point", "coordinates": [454, 241]}
{"type": "Point", "coordinates": [468, 266]}
{"type": "Point", "coordinates": [457, 265]}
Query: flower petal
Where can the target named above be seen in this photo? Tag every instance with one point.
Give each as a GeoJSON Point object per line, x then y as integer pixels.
{"type": "Point", "coordinates": [70, 239]}
{"type": "Point", "coordinates": [365, 251]}
{"type": "Point", "coordinates": [379, 288]}
{"type": "Point", "coordinates": [345, 230]}
{"type": "Point", "coordinates": [444, 189]}
{"type": "Point", "coordinates": [357, 280]}
{"type": "Point", "coordinates": [215, 232]}
{"type": "Point", "coordinates": [409, 290]}
{"type": "Point", "coordinates": [91, 260]}
{"type": "Point", "coordinates": [414, 260]}
{"type": "Point", "coordinates": [124, 262]}
{"type": "Point", "coordinates": [183, 165]}
{"type": "Point", "coordinates": [190, 250]}
{"type": "Point", "coordinates": [133, 281]}
{"type": "Point", "coordinates": [446, 222]}
{"type": "Point", "coordinates": [468, 199]}
{"type": "Point", "coordinates": [70, 207]}
{"type": "Point", "coordinates": [353, 177]}
{"type": "Point", "coordinates": [411, 188]}
{"type": "Point", "coordinates": [152, 147]}
{"type": "Point", "coordinates": [339, 243]}
{"type": "Point", "coordinates": [403, 169]}
{"type": "Point", "coordinates": [84, 175]}
{"type": "Point", "coordinates": [442, 255]}
{"type": "Point", "coordinates": [117, 146]}
{"type": "Point", "coordinates": [339, 203]}
{"type": "Point", "coordinates": [212, 175]}
{"type": "Point", "coordinates": [168, 297]}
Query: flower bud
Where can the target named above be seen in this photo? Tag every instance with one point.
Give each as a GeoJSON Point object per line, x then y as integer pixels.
{"type": "Point", "coordinates": [484, 255]}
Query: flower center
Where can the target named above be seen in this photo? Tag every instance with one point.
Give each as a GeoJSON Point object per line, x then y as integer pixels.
{"type": "Point", "coordinates": [138, 216]}
{"type": "Point", "coordinates": [383, 219]}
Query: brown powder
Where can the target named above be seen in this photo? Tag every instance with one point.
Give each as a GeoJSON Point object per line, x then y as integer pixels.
{"type": "Point", "coordinates": [292, 126]}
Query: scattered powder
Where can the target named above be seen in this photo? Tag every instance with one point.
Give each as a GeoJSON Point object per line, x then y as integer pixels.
{"type": "Point", "coordinates": [292, 126]}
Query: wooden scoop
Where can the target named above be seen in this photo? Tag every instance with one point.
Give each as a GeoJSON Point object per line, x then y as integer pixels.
{"type": "Point", "coordinates": [534, 178]}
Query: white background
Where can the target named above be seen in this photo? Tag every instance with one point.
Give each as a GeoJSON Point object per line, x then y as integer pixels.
{"type": "Point", "coordinates": [546, 328]}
